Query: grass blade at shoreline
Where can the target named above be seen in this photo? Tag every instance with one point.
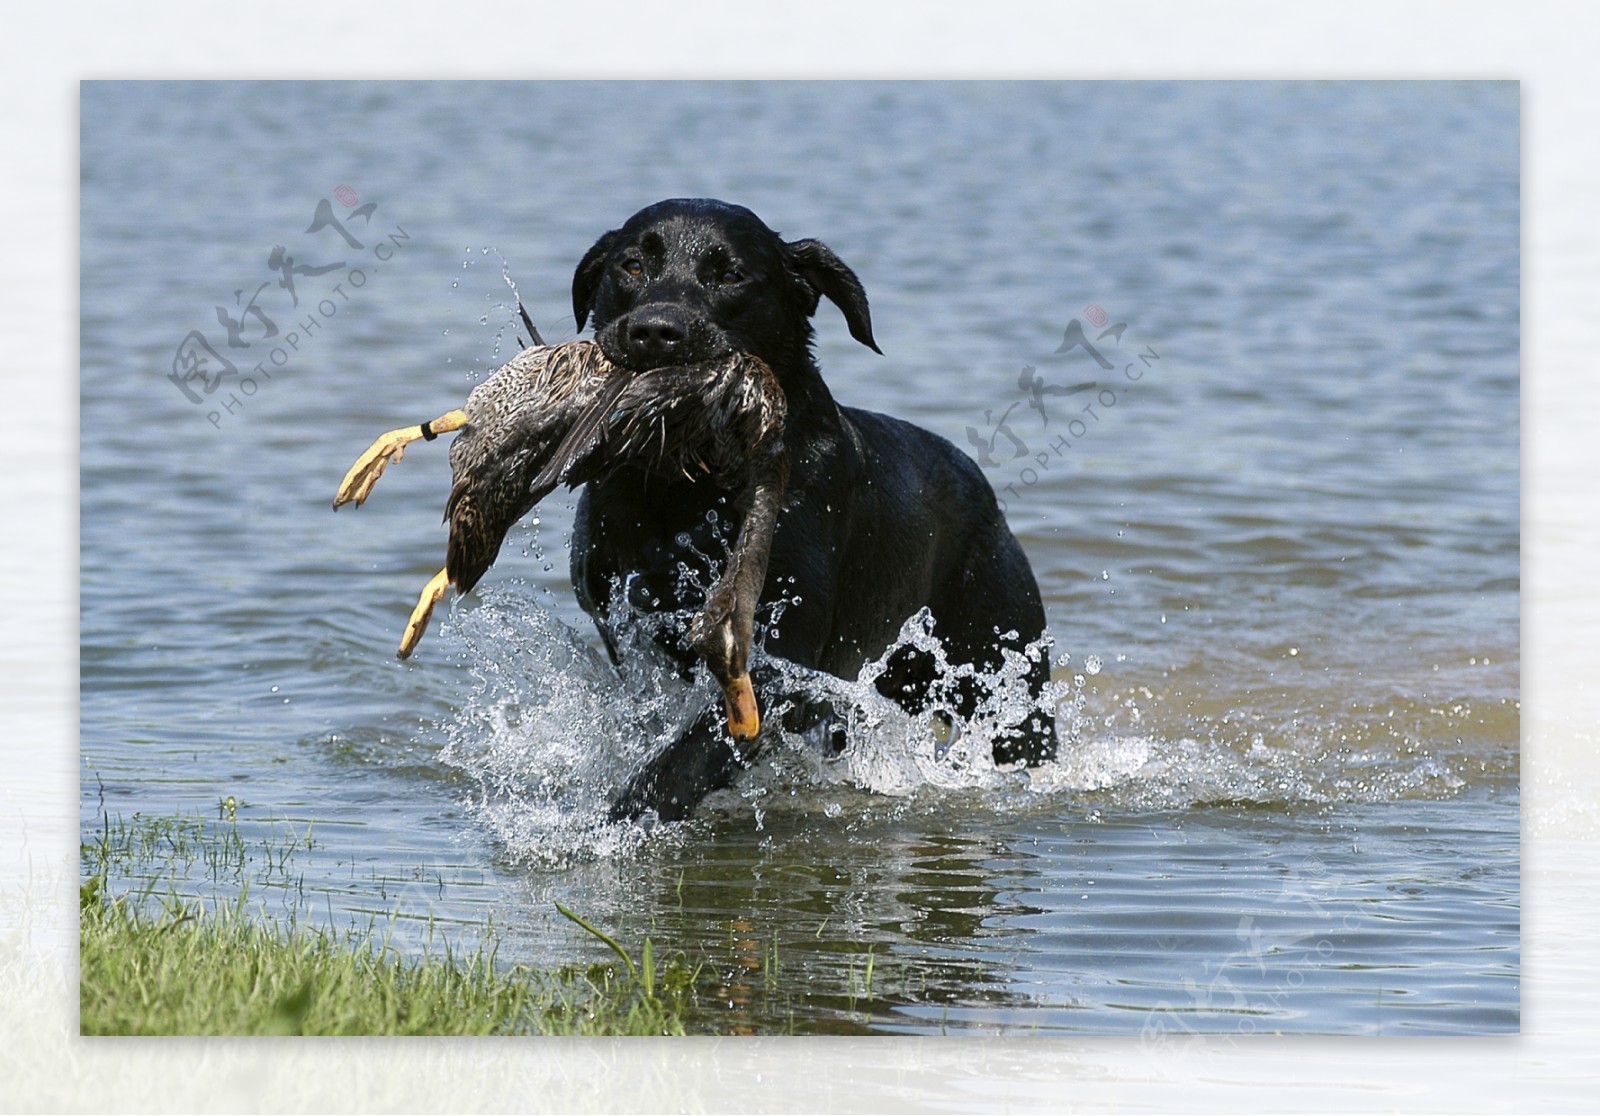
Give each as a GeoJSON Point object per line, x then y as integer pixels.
{"type": "Point", "coordinates": [191, 972]}
{"type": "Point", "coordinates": [173, 964]}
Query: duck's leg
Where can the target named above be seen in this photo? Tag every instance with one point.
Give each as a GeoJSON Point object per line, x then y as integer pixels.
{"type": "Point", "coordinates": [391, 446]}
{"type": "Point", "coordinates": [722, 630]}
{"type": "Point", "coordinates": [432, 594]}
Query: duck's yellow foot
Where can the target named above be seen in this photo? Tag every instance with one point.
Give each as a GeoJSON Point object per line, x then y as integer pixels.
{"type": "Point", "coordinates": [744, 716]}
{"type": "Point", "coordinates": [390, 446]}
{"type": "Point", "coordinates": [432, 594]}
{"type": "Point", "coordinates": [358, 482]}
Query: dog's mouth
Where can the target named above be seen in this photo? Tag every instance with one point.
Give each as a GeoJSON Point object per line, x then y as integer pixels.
{"type": "Point", "coordinates": [642, 343]}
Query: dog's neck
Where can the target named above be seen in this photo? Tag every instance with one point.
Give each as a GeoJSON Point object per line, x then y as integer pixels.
{"type": "Point", "coordinates": [807, 394]}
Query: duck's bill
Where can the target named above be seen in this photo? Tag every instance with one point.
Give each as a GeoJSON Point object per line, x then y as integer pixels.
{"type": "Point", "coordinates": [744, 717]}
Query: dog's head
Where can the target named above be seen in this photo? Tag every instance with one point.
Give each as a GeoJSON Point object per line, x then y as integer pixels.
{"type": "Point", "coordinates": [688, 280]}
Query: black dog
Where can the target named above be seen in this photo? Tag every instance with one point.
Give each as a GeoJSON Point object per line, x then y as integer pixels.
{"type": "Point", "coordinates": [880, 518]}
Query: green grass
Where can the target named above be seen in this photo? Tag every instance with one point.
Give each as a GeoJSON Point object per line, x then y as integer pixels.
{"type": "Point", "coordinates": [159, 964]}
{"type": "Point", "coordinates": [186, 971]}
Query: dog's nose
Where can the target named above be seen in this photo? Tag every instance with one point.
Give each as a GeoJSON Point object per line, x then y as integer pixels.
{"type": "Point", "coordinates": [656, 335]}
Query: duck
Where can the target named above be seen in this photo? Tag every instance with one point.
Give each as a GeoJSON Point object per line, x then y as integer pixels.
{"type": "Point", "coordinates": [565, 414]}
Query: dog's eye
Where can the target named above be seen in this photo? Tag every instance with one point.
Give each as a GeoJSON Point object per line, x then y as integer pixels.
{"type": "Point", "coordinates": [633, 268]}
{"type": "Point", "coordinates": [731, 275]}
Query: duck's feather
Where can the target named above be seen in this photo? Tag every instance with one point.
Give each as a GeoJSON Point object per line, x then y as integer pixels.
{"type": "Point", "coordinates": [564, 414]}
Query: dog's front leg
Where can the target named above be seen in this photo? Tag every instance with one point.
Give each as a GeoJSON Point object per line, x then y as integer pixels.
{"type": "Point", "coordinates": [702, 759]}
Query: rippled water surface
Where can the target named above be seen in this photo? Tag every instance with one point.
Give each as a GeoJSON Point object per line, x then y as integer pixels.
{"type": "Point", "coordinates": [1277, 539]}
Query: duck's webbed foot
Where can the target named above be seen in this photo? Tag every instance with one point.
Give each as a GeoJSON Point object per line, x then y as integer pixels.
{"type": "Point", "coordinates": [721, 635]}
{"type": "Point", "coordinates": [390, 446]}
{"type": "Point", "coordinates": [432, 594]}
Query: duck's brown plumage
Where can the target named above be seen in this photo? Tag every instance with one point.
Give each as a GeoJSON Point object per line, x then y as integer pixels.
{"type": "Point", "coordinates": [565, 414]}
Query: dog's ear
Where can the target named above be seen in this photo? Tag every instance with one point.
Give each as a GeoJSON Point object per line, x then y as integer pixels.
{"type": "Point", "coordinates": [826, 274]}
{"type": "Point", "coordinates": [586, 280]}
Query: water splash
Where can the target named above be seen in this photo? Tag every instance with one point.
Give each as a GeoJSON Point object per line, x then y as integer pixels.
{"type": "Point", "coordinates": [550, 727]}
{"type": "Point", "coordinates": [501, 314]}
{"type": "Point", "coordinates": [551, 730]}
{"type": "Point", "coordinates": [893, 752]}
{"type": "Point", "coordinates": [1151, 773]}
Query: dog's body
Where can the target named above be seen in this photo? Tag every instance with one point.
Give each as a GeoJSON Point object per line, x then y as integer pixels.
{"type": "Point", "coordinates": [880, 518]}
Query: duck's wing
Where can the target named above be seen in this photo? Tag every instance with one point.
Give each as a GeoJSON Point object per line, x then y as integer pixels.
{"type": "Point", "coordinates": [516, 421]}
{"type": "Point", "coordinates": [565, 415]}
{"type": "Point", "coordinates": [666, 419]}
{"type": "Point", "coordinates": [579, 456]}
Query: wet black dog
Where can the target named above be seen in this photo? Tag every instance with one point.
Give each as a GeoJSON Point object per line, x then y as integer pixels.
{"type": "Point", "coordinates": [880, 519]}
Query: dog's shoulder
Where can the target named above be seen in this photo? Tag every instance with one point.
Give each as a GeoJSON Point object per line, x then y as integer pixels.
{"type": "Point", "coordinates": [894, 451]}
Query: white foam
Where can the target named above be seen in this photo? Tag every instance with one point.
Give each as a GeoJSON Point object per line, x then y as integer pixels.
{"type": "Point", "coordinates": [551, 730]}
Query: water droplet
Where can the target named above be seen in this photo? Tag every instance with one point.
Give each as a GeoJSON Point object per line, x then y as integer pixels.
{"type": "Point", "coordinates": [1092, 664]}
{"type": "Point", "coordinates": [274, 689]}
{"type": "Point", "coordinates": [1105, 575]}
{"type": "Point", "coordinates": [682, 538]}
{"type": "Point", "coordinates": [1294, 651]}
{"type": "Point", "coordinates": [833, 809]}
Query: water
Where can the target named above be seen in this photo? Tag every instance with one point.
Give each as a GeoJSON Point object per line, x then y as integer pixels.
{"type": "Point", "coordinates": [1280, 557]}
